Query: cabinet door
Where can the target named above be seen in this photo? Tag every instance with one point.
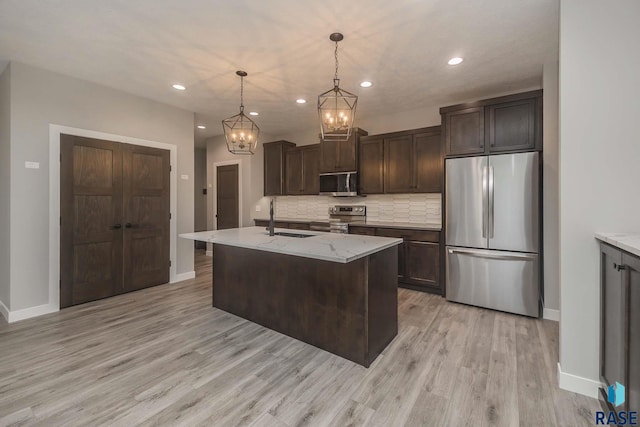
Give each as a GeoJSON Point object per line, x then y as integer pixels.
{"type": "Point", "coordinates": [293, 171]}
{"type": "Point", "coordinates": [613, 303]}
{"type": "Point", "coordinates": [347, 154]}
{"type": "Point", "coordinates": [632, 265]}
{"type": "Point", "coordinates": [274, 173]}
{"type": "Point", "coordinates": [428, 162]}
{"type": "Point", "coordinates": [399, 176]}
{"type": "Point", "coordinates": [511, 125]}
{"type": "Point", "coordinates": [423, 263]}
{"type": "Point", "coordinates": [402, 249]}
{"type": "Point", "coordinates": [329, 156]}
{"type": "Point", "coordinates": [371, 173]}
{"type": "Point", "coordinates": [311, 170]}
{"type": "Point", "coordinates": [464, 131]}
{"type": "Point", "coordinates": [366, 231]}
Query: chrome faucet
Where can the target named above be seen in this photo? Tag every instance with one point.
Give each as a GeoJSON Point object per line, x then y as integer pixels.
{"type": "Point", "coordinates": [271, 224]}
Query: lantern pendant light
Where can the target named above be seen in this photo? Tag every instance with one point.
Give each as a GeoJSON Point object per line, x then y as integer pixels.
{"type": "Point", "coordinates": [240, 132]}
{"type": "Point", "coordinates": [336, 107]}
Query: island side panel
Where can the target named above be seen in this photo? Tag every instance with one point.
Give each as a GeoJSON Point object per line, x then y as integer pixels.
{"type": "Point", "coordinates": [383, 300]}
{"type": "Point", "coordinates": [319, 302]}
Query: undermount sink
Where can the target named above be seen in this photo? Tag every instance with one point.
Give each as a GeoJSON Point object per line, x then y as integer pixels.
{"type": "Point", "coordinates": [286, 234]}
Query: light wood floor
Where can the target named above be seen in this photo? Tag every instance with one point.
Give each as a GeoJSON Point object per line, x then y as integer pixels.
{"type": "Point", "coordinates": [164, 356]}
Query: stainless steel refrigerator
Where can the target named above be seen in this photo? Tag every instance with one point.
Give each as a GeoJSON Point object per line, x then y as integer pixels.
{"type": "Point", "coordinates": [492, 232]}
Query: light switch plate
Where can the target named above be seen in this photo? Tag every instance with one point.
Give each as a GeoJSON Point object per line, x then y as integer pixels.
{"type": "Point", "coordinates": [32, 165]}
{"type": "Point", "coordinates": [258, 208]}
{"type": "Point", "coordinates": [185, 177]}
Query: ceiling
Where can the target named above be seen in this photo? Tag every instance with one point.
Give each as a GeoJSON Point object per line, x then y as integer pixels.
{"type": "Point", "coordinates": [145, 46]}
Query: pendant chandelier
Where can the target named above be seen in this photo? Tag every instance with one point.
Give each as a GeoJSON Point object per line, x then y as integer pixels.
{"type": "Point", "coordinates": [336, 107]}
{"type": "Point", "coordinates": [240, 131]}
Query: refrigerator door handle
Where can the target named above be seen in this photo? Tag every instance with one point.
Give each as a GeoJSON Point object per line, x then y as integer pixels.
{"type": "Point", "coordinates": [485, 201]}
{"type": "Point", "coordinates": [510, 257]}
{"type": "Point", "coordinates": [491, 204]}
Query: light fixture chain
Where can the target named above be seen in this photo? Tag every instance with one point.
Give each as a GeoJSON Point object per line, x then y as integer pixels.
{"type": "Point", "coordinates": [336, 56]}
{"type": "Point", "coordinates": [241, 93]}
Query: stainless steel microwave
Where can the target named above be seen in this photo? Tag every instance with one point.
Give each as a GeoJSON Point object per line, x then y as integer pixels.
{"type": "Point", "coordinates": [339, 184]}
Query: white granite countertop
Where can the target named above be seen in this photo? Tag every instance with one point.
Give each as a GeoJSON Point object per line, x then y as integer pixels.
{"type": "Point", "coordinates": [334, 247]}
{"type": "Point", "coordinates": [629, 242]}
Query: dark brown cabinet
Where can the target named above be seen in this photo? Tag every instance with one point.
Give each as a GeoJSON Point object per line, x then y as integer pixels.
{"type": "Point", "coordinates": [419, 256]}
{"type": "Point", "coordinates": [371, 165]}
{"type": "Point", "coordinates": [498, 125]}
{"type": "Point", "coordinates": [402, 162]}
{"type": "Point", "coordinates": [295, 225]}
{"type": "Point", "coordinates": [274, 170]}
{"type": "Point", "coordinates": [512, 125]}
{"type": "Point", "coordinates": [620, 323]}
{"type": "Point", "coordinates": [302, 175]}
{"type": "Point", "coordinates": [464, 131]}
{"type": "Point", "coordinates": [340, 156]}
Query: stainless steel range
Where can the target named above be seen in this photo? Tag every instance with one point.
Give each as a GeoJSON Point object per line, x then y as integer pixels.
{"type": "Point", "coordinates": [340, 216]}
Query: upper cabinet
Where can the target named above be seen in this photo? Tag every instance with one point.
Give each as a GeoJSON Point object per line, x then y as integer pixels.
{"type": "Point", "coordinates": [274, 172]}
{"type": "Point", "coordinates": [498, 125]}
{"type": "Point", "coordinates": [302, 175]}
{"type": "Point", "coordinates": [402, 162]}
{"type": "Point", "coordinates": [371, 165]}
{"type": "Point", "coordinates": [340, 156]}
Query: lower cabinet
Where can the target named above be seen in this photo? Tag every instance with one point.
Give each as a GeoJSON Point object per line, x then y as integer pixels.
{"type": "Point", "coordinates": [282, 224]}
{"type": "Point", "coordinates": [620, 323]}
{"type": "Point", "coordinates": [419, 256]}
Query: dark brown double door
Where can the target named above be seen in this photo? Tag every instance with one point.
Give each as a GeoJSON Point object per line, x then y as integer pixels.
{"type": "Point", "coordinates": [114, 218]}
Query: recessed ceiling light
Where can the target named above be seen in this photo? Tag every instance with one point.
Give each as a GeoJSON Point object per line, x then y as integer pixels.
{"type": "Point", "coordinates": [201, 127]}
{"type": "Point", "coordinates": [301, 101]}
{"type": "Point", "coordinates": [178, 87]}
{"type": "Point", "coordinates": [455, 61]}
{"type": "Point", "coordinates": [366, 84]}
{"type": "Point", "coordinates": [254, 113]}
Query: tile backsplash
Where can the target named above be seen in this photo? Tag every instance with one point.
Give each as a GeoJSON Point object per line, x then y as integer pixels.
{"type": "Point", "coordinates": [413, 208]}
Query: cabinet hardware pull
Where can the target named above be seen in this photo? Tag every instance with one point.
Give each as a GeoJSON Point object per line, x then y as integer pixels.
{"type": "Point", "coordinates": [619, 267]}
{"type": "Point", "coordinates": [116, 227]}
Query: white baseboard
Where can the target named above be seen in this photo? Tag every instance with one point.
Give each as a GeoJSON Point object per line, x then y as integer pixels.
{"type": "Point", "coordinates": [209, 253]}
{"type": "Point", "coordinates": [578, 384]}
{"type": "Point", "coordinates": [28, 313]}
{"type": "Point", "coordinates": [551, 314]}
{"type": "Point", "coordinates": [184, 276]}
{"type": "Point", "coordinates": [4, 311]}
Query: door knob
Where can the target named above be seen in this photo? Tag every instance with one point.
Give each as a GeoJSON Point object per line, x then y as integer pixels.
{"type": "Point", "coordinates": [619, 267]}
{"type": "Point", "coordinates": [128, 225]}
{"type": "Point", "coordinates": [116, 227]}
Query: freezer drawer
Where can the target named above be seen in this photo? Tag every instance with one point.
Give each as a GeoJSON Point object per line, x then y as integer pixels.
{"type": "Point", "coordinates": [505, 281]}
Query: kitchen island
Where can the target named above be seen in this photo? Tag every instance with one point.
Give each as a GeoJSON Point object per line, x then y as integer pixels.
{"type": "Point", "coordinates": [335, 291]}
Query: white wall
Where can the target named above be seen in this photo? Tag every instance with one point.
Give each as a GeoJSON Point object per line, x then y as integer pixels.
{"type": "Point", "coordinates": [5, 199]}
{"type": "Point", "coordinates": [599, 164]}
{"type": "Point", "coordinates": [40, 98]}
{"type": "Point", "coordinates": [550, 190]}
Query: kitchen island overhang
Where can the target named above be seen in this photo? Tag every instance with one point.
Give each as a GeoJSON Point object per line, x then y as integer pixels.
{"type": "Point", "coordinates": [334, 291]}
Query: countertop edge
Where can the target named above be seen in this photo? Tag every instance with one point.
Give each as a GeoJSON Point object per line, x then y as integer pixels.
{"type": "Point", "coordinates": [284, 251]}
{"type": "Point", "coordinates": [628, 242]}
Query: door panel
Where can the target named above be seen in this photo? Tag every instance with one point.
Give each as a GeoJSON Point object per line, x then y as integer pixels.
{"type": "Point", "coordinates": [613, 325]}
{"type": "Point", "coordinates": [466, 202]}
{"type": "Point", "coordinates": [371, 166]}
{"type": "Point", "coordinates": [146, 213]}
{"type": "Point", "coordinates": [511, 125]}
{"type": "Point", "coordinates": [90, 210]}
{"type": "Point", "coordinates": [293, 174]}
{"type": "Point", "coordinates": [506, 281]}
{"type": "Point", "coordinates": [423, 263]}
{"type": "Point", "coordinates": [428, 162]}
{"type": "Point", "coordinates": [227, 197]}
{"type": "Point", "coordinates": [464, 131]}
{"type": "Point", "coordinates": [399, 173]}
{"type": "Point", "coordinates": [514, 211]}
{"type": "Point", "coordinates": [633, 379]}
{"type": "Point", "coordinates": [311, 170]}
